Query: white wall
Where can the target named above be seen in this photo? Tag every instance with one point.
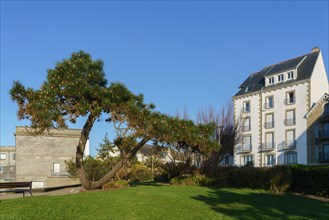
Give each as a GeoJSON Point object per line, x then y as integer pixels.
{"type": "Point", "coordinates": [319, 80]}
{"type": "Point", "coordinates": [254, 123]}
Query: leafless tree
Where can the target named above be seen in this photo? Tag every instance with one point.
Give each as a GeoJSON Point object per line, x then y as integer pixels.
{"type": "Point", "coordinates": [227, 132]}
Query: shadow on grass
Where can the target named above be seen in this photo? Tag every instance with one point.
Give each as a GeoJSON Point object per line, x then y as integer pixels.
{"type": "Point", "coordinates": [247, 204]}
{"type": "Point", "coordinates": [147, 183]}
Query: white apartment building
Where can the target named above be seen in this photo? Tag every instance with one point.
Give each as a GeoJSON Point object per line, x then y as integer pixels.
{"type": "Point", "coordinates": [271, 106]}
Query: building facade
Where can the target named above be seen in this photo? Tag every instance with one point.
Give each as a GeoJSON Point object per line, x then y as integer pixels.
{"type": "Point", "coordinates": [7, 163]}
{"type": "Point", "coordinates": [271, 106]}
{"type": "Point", "coordinates": [318, 132]}
{"type": "Point", "coordinates": [41, 158]}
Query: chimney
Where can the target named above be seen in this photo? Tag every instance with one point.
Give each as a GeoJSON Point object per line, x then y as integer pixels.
{"type": "Point", "coordinates": [315, 49]}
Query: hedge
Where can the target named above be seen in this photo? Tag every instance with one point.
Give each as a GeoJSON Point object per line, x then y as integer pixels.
{"type": "Point", "coordinates": [296, 178]}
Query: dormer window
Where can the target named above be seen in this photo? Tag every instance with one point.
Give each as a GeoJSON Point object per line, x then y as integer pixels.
{"type": "Point", "coordinates": [270, 80]}
{"type": "Point", "coordinates": [248, 88]}
{"type": "Point", "coordinates": [280, 78]}
{"type": "Point", "coordinates": [290, 75]}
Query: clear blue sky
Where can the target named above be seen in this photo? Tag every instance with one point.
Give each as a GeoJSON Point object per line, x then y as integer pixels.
{"type": "Point", "coordinates": [178, 54]}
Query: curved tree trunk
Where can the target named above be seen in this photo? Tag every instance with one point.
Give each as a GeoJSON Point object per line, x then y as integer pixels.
{"type": "Point", "coordinates": [81, 148]}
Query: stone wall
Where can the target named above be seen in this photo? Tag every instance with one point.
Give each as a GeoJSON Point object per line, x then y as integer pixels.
{"type": "Point", "coordinates": [36, 156]}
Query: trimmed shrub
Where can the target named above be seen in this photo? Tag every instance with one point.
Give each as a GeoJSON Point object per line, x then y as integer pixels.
{"type": "Point", "coordinates": [276, 179]}
{"type": "Point", "coordinates": [188, 179]}
{"type": "Point", "coordinates": [310, 180]}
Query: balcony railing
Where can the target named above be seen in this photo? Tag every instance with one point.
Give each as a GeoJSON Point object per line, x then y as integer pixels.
{"type": "Point", "coordinates": [245, 110]}
{"type": "Point", "coordinates": [324, 157]}
{"type": "Point", "coordinates": [268, 146]}
{"type": "Point", "coordinates": [268, 105]}
{"type": "Point", "coordinates": [287, 145]}
{"type": "Point", "coordinates": [290, 121]}
{"type": "Point", "coordinates": [269, 124]}
{"type": "Point", "coordinates": [245, 128]}
{"type": "Point", "coordinates": [245, 148]}
{"type": "Point", "coordinates": [290, 101]}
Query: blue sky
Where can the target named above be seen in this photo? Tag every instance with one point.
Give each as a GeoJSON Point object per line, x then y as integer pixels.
{"type": "Point", "coordinates": [182, 54]}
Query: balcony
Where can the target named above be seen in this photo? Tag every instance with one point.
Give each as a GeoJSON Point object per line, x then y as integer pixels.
{"type": "Point", "coordinates": [324, 157]}
{"type": "Point", "coordinates": [268, 105]}
{"type": "Point", "coordinates": [245, 148]}
{"type": "Point", "coordinates": [245, 110]}
{"type": "Point", "coordinates": [287, 145]}
{"type": "Point", "coordinates": [245, 128]}
{"type": "Point", "coordinates": [290, 121]}
{"type": "Point", "coordinates": [265, 147]}
{"type": "Point", "coordinates": [269, 124]}
{"type": "Point", "coordinates": [290, 101]}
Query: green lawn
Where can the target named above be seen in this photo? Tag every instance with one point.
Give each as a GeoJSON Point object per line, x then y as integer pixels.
{"type": "Point", "coordinates": [166, 202]}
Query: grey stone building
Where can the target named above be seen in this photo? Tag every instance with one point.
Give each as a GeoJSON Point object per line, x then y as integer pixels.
{"type": "Point", "coordinates": [7, 163]}
{"type": "Point", "coordinates": [41, 159]}
{"type": "Point", "coordinates": [318, 132]}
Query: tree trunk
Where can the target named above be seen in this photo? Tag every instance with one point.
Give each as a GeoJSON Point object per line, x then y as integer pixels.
{"type": "Point", "coordinates": [81, 148]}
{"type": "Point", "coordinates": [98, 184]}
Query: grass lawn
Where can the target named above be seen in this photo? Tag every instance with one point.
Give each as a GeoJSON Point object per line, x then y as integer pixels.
{"type": "Point", "coordinates": [166, 202]}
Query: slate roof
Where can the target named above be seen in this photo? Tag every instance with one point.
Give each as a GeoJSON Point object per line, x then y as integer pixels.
{"type": "Point", "coordinates": [256, 81]}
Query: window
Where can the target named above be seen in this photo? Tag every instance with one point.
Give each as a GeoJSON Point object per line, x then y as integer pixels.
{"type": "Point", "coordinates": [316, 130]}
{"type": "Point", "coordinates": [269, 137]}
{"type": "Point", "coordinates": [3, 156]}
{"type": "Point", "coordinates": [247, 159]}
{"type": "Point", "coordinates": [269, 120]}
{"type": "Point", "coordinates": [269, 102]}
{"type": "Point", "coordinates": [270, 80]}
{"type": "Point", "coordinates": [249, 88]}
{"type": "Point", "coordinates": [326, 152]}
{"type": "Point", "coordinates": [246, 143]}
{"type": "Point", "coordinates": [1, 170]}
{"type": "Point", "coordinates": [270, 160]}
{"type": "Point", "coordinates": [290, 118]}
{"type": "Point", "coordinates": [290, 158]}
{"type": "Point", "coordinates": [326, 109]}
{"type": "Point", "coordinates": [246, 107]}
{"type": "Point", "coordinates": [290, 75]}
{"type": "Point", "coordinates": [290, 98]}
{"type": "Point", "coordinates": [14, 156]}
{"type": "Point", "coordinates": [280, 78]}
{"type": "Point", "coordinates": [290, 139]}
{"type": "Point", "coordinates": [326, 130]}
{"type": "Point", "coordinates": [316, 152]}
{"type": "Point", "coordinates": [56, 167]}
{"type": "Point", "coordinates": [246, 124]}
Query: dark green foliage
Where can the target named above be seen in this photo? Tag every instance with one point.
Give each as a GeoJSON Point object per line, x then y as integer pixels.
{"type": "Point", "coordinates": [142, 175]}
{"type": "Point", "coordinates": [276, 179]}
{"type": "Point", "coordinates": [177, 169]}
{"type": "Point", "coordinates": [94, 168]}
{"type": "Point", "coordinates": [188, 179]}
{"type": "Point", "coordinates": [310, 180]}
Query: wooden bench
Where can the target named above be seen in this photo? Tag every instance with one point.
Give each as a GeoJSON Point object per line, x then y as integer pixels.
{"type": "Point", "coordinates": [17, 187]}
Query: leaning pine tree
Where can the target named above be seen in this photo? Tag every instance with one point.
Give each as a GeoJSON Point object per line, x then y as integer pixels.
{"type": "Point", "coordinates": [77, 87]}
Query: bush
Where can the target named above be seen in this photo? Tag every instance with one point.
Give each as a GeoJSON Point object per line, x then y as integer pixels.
{"type": "Point", "coordinates": [188, 179]}
{"type": "Point", "coordinates": [310, 180]}
{"type": "Point", "coordinates": [276, 179]}
{"type": "Point", "coordinates": [279, 178]}
{"type": "Point", "coordinates": [141, 173]}
{"type": "Point", "coordinates": [116, 185]}
{"type": "Point", "coordinates": [173, 170]}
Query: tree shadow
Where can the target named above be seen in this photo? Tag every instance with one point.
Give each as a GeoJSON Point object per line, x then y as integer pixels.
{"type": "Point", "coordinates": [147, 183]}
{"type": "Point", "coordinates": [246, 204]}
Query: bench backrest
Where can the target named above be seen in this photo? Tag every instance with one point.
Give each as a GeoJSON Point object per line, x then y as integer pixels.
{"type": "Point", "coordinates": [15, 185]}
